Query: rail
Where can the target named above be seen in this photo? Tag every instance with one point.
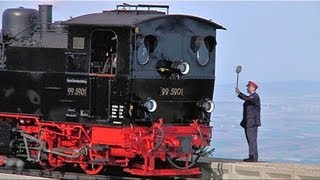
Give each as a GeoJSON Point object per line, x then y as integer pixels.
{"type": "Point", "coordinates": [137, 7]}
{"type": "Point", "coordinates": [1, 50]}
{"type": "Point", "coordinates": [2, 46]}
{"type": "Point", "coordinates": [61, 174]}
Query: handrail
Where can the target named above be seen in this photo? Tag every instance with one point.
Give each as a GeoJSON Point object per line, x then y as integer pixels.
{"type": "Point", "coordinates": [2, 46]}
{"type": "Point", "coordinates": [136, 7]}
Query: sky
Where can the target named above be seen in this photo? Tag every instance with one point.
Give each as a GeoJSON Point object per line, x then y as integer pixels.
{"type": "Point", "coordinates": [273, 41]}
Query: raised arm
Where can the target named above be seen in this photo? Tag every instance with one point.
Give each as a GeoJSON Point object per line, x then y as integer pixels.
{"type": "Point", "coordinates": [252, 98]}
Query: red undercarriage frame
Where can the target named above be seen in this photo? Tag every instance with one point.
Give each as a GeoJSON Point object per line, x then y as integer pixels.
{"type": "Point", "coordinates": [136, 148]}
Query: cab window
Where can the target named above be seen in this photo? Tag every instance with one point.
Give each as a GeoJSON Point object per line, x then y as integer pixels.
{"type": "Point", "coordinates": [202, 47]}
{"type": "Point", "coordinates": [145, 46]}
{"type": "Point", "coordinates": [103, 52]}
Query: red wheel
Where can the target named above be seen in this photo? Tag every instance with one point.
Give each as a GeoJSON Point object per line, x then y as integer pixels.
{"type": "Point", "coordinates": [47, 160]}
{"type": "Point", "coordinates": [91, 168]}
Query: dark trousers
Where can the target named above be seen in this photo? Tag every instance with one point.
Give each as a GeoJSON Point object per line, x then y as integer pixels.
{"type": "Point", "coordinates": [251, 135]}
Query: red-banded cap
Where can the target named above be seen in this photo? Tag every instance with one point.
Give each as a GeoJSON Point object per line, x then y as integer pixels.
{"type": "Point", "coordinates": [253, 84]}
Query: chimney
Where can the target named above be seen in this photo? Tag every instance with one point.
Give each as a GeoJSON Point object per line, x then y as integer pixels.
{"type": "Point", "coordinates": [45, 17]}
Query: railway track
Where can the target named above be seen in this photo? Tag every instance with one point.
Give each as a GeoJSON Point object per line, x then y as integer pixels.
{"type": "Point", "coordinates": [61, 174]}
{"type": "Point", "coordinates": [70, 172]}
{"type": "Point", "coordinates": [65, 174]}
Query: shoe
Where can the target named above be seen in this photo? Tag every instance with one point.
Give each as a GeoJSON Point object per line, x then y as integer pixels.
{"type": "Point", "coordinates": [250, 160]}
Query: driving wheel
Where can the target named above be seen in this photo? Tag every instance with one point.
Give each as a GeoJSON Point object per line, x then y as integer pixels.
{"type": "Point", "coordinates": [91, 167]}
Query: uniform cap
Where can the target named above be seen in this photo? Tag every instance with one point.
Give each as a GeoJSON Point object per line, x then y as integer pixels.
{"type": "Point", "coordinates": [253, 84]}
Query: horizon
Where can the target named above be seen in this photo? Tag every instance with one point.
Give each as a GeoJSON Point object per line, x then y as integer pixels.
{"type": "Point", "coordinates": [266, 82]}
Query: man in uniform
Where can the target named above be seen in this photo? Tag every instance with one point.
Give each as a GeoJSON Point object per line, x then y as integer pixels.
{"type": "Point", "coordinates": [251, 118]}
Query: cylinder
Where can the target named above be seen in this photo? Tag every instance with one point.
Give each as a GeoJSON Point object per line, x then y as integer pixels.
{"type": "Point", "coordinates": [18, 22]}
{"type": "Point", "coordinates": [45, 17]}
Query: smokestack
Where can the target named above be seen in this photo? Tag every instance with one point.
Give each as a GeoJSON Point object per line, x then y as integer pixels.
{"type": "Point", "coordinates": [45, 17]}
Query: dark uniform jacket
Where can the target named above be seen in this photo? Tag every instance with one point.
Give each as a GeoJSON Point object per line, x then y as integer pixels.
{"type": "Point", "coordinates": [251, 110]}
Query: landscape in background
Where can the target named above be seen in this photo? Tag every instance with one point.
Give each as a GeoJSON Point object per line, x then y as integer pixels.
{"type": "Point", "coordinates": [290, 118]}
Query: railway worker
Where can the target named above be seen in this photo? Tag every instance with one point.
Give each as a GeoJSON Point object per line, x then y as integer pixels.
{"type": "Point", "coordinates": [251, 118]}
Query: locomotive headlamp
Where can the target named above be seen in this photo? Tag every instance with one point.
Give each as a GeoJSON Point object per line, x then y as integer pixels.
{"type": "Point", "coordinates": [207, 105]}
{"type": "Point", "coordinates": [150, 105]}
{"type": "Point", "coordinates": [182, 67]}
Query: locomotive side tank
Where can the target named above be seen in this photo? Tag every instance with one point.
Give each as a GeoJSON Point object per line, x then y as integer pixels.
{"type": "Point", "coordinates": [126, 87]}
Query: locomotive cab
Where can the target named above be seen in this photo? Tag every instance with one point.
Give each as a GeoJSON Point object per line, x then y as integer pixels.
{"type": "Point", "coordinates": [174, 65]}
{"type": "Point", "coordinates": [102, 44]}
{"type": "Point", "coordinates": [102, 53]}
{"type": "Point", "coordinates": [152, 61]}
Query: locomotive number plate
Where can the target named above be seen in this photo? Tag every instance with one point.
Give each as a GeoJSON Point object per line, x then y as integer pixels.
{"type": "Point", "coordinates": [171, 91]}
{"type": "Point", "coordinates": [71, 91]}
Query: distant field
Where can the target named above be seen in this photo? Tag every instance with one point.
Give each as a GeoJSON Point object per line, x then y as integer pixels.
{"type": "Point", "coordinates": [290, 130]}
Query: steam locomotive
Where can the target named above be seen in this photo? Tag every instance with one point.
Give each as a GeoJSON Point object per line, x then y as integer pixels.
{"type": "Point", "coordinates": [130, 87]}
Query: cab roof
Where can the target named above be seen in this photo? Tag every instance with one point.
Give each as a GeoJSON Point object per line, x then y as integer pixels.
{"type": "Point", "coordinates": [128, 18]}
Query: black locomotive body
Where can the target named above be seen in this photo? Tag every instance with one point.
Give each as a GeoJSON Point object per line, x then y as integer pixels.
{"type": "Point", "coordinates": [116, 68]}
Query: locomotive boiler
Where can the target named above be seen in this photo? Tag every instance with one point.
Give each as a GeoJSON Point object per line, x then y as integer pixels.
{"type": "Point", "coordinates": [129, 87]}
